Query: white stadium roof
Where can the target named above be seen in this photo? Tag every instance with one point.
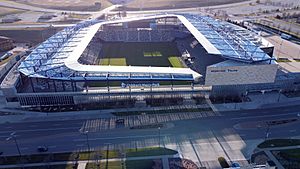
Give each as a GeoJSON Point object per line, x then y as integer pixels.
{"type": "Point", "coordinates": [57, 57]}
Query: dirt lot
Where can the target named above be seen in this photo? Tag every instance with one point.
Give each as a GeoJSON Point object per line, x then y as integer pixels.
{"type": "Point", "coordinates": [80, 5]}
{"type": "Point", "coordinates": [161, 4]}
{"type": "Point", "coordinates": [31, 36]}
{"type": "Point", "coordinates": [284, 48]}
{"type": "Point", "coordinates": [7, 11]}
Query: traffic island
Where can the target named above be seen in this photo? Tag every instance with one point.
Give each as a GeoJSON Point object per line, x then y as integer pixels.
{"type": "Point", "coordinates": [285, 153]}
{"type": "Point", "coordinates": [63, 166]}
{"type": "Point", "coordinates": [163, 111]}
{"type": "Point", "coordinates": [279, 143]}
{"type": "Point", "coordinates": [128, 164]}
{"type": "Point", "coordinates": [289, 158]}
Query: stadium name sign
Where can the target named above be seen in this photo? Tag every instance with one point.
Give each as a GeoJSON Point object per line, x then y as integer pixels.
{"type": "Point", "coordinates": [125, 85]}
{"type": "Point", "coordinates": [226, 70]}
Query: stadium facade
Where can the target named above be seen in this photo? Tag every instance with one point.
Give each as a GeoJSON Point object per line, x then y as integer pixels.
{"type": "Point", "coordinates": [217, 56]}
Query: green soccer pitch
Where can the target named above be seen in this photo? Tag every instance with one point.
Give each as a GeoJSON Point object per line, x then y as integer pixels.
{"type": "Point", "coordinates": [161, 54]}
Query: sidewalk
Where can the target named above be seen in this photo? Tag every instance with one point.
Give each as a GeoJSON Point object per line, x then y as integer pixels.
{"type": "Point", "coordinates": [81, 165]}
{"type": "Point", "coordinates": [267, 100]}
{"type": "Point", "coordinates": [29, 116]}
{"type": "Point", "coordinates": [84, 162]}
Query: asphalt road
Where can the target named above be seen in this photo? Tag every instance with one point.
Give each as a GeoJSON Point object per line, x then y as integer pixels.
{"type": "Point", "coordinates": [64, 135]}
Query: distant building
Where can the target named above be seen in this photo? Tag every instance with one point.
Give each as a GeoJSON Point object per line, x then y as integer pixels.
{"type": "Point", "coordinates": [6, 43]}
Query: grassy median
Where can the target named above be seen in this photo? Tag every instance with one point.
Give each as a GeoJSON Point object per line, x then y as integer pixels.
{"type": "Point", "coordinates": [279, 143]}
{"type": "Point", "coordinates": [94, 155]}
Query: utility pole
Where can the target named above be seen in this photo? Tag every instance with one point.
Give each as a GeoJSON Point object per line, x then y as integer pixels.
{"type": "Point", "coordinates": [87, 141]}
{"type": "Point", "coordinates": [267, 132]}
{"type": "Point", "coordinates": [158, 137]}
{"type": "Point", "coordinates": [14, 137]}
{"type": "Point", "coordinates": [279, 94]}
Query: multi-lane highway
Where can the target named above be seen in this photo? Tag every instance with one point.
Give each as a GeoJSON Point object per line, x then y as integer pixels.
{"type": "Point", "coordinates": [195, 131]}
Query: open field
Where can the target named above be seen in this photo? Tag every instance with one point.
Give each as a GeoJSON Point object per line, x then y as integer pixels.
{"type": "Point", "coordinates": [163, 4]}
{"type": "Point", "coordinates": [80, 5]}
{"type": "Point", "coordinates": [162, 54]}
{"type": "Point", "coordinates": [32, 36]}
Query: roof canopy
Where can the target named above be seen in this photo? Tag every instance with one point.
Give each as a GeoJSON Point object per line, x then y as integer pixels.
{"type": "Point", "coordinates": [57, 57]}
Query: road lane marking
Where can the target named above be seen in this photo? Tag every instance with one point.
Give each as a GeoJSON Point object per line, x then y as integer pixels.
{"type": "Point", "coordinates": [124, 137]}
{"type": "Point", "coordinates": [79, 145]}
{"type": "Point", "coordinates": [6, 136]}
{"type": "Point", "coordinates": [34, 130]}
{"type": "Point", "coordinates": [274, 115]}
{"type": "Point", "coordinates": [52, 146]}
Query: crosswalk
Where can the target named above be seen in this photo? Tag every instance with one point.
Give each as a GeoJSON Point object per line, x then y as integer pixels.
{"type": "Point", "coordinates": [96, 125]}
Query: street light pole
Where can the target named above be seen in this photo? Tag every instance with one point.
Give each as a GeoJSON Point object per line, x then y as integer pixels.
{"type": "Point", "coordinates": [267, 132]}
{"type": "Point", "coordinates": [17, 145]}
{"type": "Point", "coordinates": [158, 137]}
{"type": "Point", "coordinates": [13, 136]}
{"type": "Point", "coordinates": [87, 142]}
{"type": "Point", "coordinates": [279, 94]}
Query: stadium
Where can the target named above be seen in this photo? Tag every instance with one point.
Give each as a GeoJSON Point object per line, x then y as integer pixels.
{"type": "Point", "coordinates": [134, 58]}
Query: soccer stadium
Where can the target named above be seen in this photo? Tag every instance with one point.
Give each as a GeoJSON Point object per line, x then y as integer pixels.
{"type": "Point", "coordinates": [151, 55]}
